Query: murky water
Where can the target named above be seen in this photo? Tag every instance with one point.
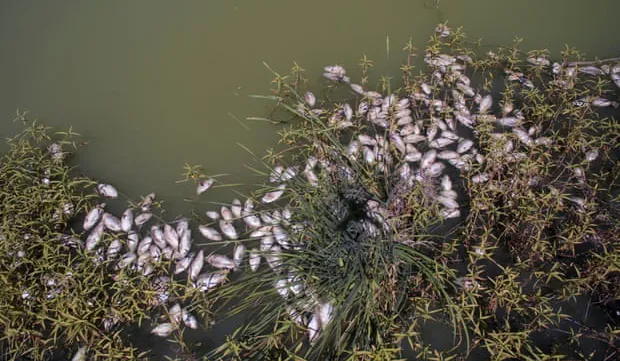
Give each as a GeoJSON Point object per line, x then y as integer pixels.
{"type": "Point", "coordinates": [155, 84]}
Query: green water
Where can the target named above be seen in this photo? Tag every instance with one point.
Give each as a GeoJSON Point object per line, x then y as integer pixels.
{"type": "Point", "coordinates": [151, 84]}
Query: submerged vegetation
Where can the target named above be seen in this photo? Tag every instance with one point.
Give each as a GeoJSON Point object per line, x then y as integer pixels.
{"type": "Point", "coordinates": [478, 199]}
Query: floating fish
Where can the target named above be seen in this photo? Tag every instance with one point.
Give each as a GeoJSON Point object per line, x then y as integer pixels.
{"type": "Point", "coordinates": [310, 99]}
{"type": "Point", "coordinates": [208, 281]}
{"type": "Point", "coordinates": [175, 314]}
{"type": "Point", "coordinates": [226, 213]}
{"type": "Point", "coordinates": [183, 264]}
{"type": "Point", "coordinates": [282, 287]}
{"type": "Point", "coordinates": [94, 237]}
{"type": "Point", "coordinates": [228, 229]}
{"type": "Point", "coordinates": [313, 328]}
{"type": "Point", "coordinates": [132, 241]}
{"type": "Point", "coordinates": [238, 254]}
{"type": "Point", "coordinates": [112, 223]}
{"type": "Point", "coordinates": [254, 260]}
{"type": "Point", "coordinates": [213, 215]}
{"type": "Point", "coordinates": [440, 143]}
{"type": "Point", "coordinates": [188, 319]}
{"type": "Point", "coordinates": [325, 314]}
{"type": "Point", "coordinates": [464, 145]}
{"type": "Point", "coordinates": [171, 236]}
{"type": "Point", "coordinates": [196, 266]}
{"type": "Point", "coordinates": [447, 202]}
{"type": "Point", "coordinates": [80, 355]}
{"type": "Point", "coordinates": [114, 248]}
{"type": "Point", "coordinates": [428, 158]}
{"type": "Point", "coordinates": [142, 218]}
{"type": "Point", "coordinates": [220, 261]}
{"type": "Point", "coordinates": [210, 233]}
{"type": "Point", "coordinates": [274, 195]}
{"type": "Point", "coordinates": [107, 190]}
{"type": "Point", "coordinates": [127, 220]}
{"type": "Point", "coordinates": [127, 259]}
{"type": "Point", "coordinates": [204, 185]}
{"type": "Point", "coordinates": [158, 237]}
{"type": "Point", "coordinates": [163, 330]}
{"type": "Point", "coordinates": [93, 216]}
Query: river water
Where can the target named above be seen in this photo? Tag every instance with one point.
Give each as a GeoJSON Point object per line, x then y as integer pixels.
{"type": "Point", "coordinates": [153, 84]}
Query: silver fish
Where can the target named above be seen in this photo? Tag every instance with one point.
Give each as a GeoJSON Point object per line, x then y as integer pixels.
{"type": "Point", "coordinates": [434, 170]}
{"type": "Point", "coordinates": [93, 216]}
{"type": "Point", "coordinates": [274, 195]}
{"type": "Point", "coordinates": [509, 122]}
{"type": "Point", "coordinates": [440, 143]}
{"type": "Point", "coordinates": [144, 245]}
{"type": "Point", "coordinates": [107, 190]}
{"type": "Point", "coordinates": [310, 99]}
{"type": "Point", "coordinates": [213, 215]}
{"type": "Point", "coordinates": [196, 265]}
{"type": "Point", "coordinates": [282, 287]}
{"type": "Point", "coordinates": [464, 145]}
{"type": "Point", "coordinates": [236, 208]}
{"type": "Point", "coordinates": [204, 185]}
{"type": "Point", "coordinates": [413, 156]}
{"type": "Point", "coordinates": [480, 178]}
{"type": "Point", "coordinates": [158, 237]}
{"type": "Point", "coordinates": [208, 281]}
{"type": "Point", "coordinates": [251, 220]}
{"type": "Point", "coordinates": [254, 260]}
{"type": "Point", "coordinates": [348, 111]}
{"type": "Point", "coordinates": [226, 213]}
{"type": "Point", "coordinates": [228, 229]}
{"type": "Point", "coordinates": [414, 138]}
{"type": "Point", "coordinates": [114, 248]}
{"type": "Point", "coordinates": [485, 104]}
{"type": "Point", "coordinates": [147, 202]}
{"type": "Point", "coordinates": [80, 355]}
{"type": "Point", "coordinates": [220, 261]}
{"type": "Point", "coordinates": [448, 154]}
{"type": "Point", "coordinates": [175, 314]}
{"type": "Point", "coordinates": [127, 220]}
{"type": "Point", "coordinates": [428, 158]}
{"type": "Point", "coordinates": [189, 320]}
{"type": "Point", "coordinates": [523, 136]}
{"type": "Point", "coordinates": [313, 328]}
{"type": "Point", "coordinates": [447, 202]}
{"type": "Point", "coordinates": [275, 175]}
{"type": "Point", "coordinates": [163, 330]}
{"type": "Point", "coordinates": [126, 260]}
{"type": "Point", "coordinates": [132, 241]}
{"type": "Point", "coordinates": [325, 314]}
{"type": "Point", "coordinates": [357, 88]}
{"type": "Point", "coordinates": [210, 233]}
{"type": "Point", "coordinates": [94, 237]}
{"type": "Point", "coordinates": [112, 223]}
{"type": "Point", "coordinates": [450, 213]}
{"type": "Point", "coordinates": [142, 218]}
{"type": "Point", "coordinates": [182, 264]}
{"type": "Point", "coordinates": [238, 254]}
{"type": "Point", "coordinates": [171, 236]}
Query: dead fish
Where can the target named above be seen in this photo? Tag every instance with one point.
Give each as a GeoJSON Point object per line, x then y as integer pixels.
{"type": "Point", "coordinates": [228, 229]}
{"type": "Point", "coordinates": [213, 215]}
{"type": "Point", "coordinates": [126, 220]}
{"type": "Point", "coordinates": [398, 143]}
{"type": "Point", "coordinates": [196, 265]}
{"type": "Point", "coordinates": [204, 185]}
{"type": "Point", "coordinates": [185, 244]}
{"type": "Point", "coordinates": [447, 202]}
{"type": "Point", "coordinates": [144, 245]}
{"type": "Point", "coordinates": [171, 236]}
{"type": "Point", "coordinates": [480, 178]}
{"type": "Point", "coordinates": [367, 140]}
{"type": "Point", "coordinates": [274, 195]}
{"type": "Point", "coordinates": [252, 221]}
{"type": "Point", "coordinates": [80, 355]}
{"type": "Point", "coordinates": [485, 104]}
{"type": "Point", "coordinates": [311, 177]}
{"type": "Point", "coordinates": [434, 170]}
{"type": "Point", "coordinates": [357, 88]}
{"type": "Point", "coordinates": [127, 259]}
{"type": "Point", "coordinates": [414, 138]}
{"type": "Point", "coordinates": [446, 183]}
{"type": "Point", "coordinates": [208, 281]}
{"type": "Point", "coordinates": [189, 320]}
{"type": "Point", "coordinates": [147, 202]}
{"type": "Point", "coordinates": [112, 223]}
{"type": "Point", "coordinates": [310, 99]}
{"type": "Point", "coordinates": [93, 216]}
{"type": "Point", "coordinates": [440, 143]}
{"type": "Point", "coordinates": [114, 248]}
{"type": "Point", "coordinates": [175, 314]}
{"type": "Point", "coordinates": [236, 208]}
{"type": "Point", "coordinates": [522, 136]}
{"type": "Point", "coordinates": [369, 155]}
{"type": "Point", "coordinates": [313, 328]}
{"type": "Point", "coordinates": [538, 61]}
{"type": "Point", "coordinates": [132, 241]}
{"type": "Point", "coordinates": [210, 233]}
{"type": "Point", "coordinates": [348, 111]}
{"type": "Point", "coordinates": [94, 237]}
{"type": "Point", "coordinates": [592, 155]}
{"type": "Point", "coordinates": [163, 330]}
{"type": "Point", "coordinates": [508, 122]}
{"type": "Point", "coordinates": [602, 103]}
{"type": "Point", "coordinates": [448, 154]}
{"type": "Point", "coordinates": [238, 254]}
{"type": "Point", "coordinates": [142, 218]}
{"type": "Point", "coordinates": [428, 158]}
{"type": "Point", "coordinates": [158, 237]}
{"type": "Point", "coordinates": [325, 314]}
{"type": "Point", "coordinates": [254, 260]}
{"type": "Point", "coordinates": [591, 70]}
{"type": "Point", "coordinates": [226, 213]}
{"type": "Point", "coordinates": [155, 253]}
{"type": "Point", "coordinates": [282, 287]}
{"type": "Point", "coordinates": [220, 261]}
{"type": "Point", "coordinates": [450, 213]}
{"type": "Point", "coordinates": [464, 145]}
{"type": "Point", "coordinates": [182, 264]}
{"type": "Point", "coordinates": [107, 190]}
{"type": "Point", "coordinates": [413, 156]}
